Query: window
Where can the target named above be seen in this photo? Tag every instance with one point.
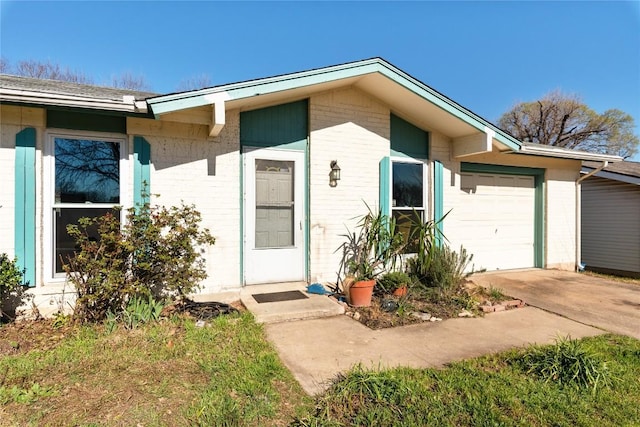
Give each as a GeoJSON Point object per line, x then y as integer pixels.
{"type": "Point", "coordinates": [87, 175]}
{"type": "Point", "coordinates": [408, 195]}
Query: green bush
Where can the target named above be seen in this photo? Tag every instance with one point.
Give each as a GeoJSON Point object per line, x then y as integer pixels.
{"type": "Point", "coordinates": [12, 291]}
{"type": "Point", "coordinates": [158, 251]}
{"type": "Point", "coordinates": [567, 362]}
{"type": "Point", "coordinates": [445, 271]}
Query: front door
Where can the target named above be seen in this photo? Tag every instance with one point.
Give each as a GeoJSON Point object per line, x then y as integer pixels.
{"type": "Point", "coordinates": [274, 216]}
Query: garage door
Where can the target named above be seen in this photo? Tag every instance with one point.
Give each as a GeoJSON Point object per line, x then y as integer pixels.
{"type": "Point", "coordinates": [496, 218]}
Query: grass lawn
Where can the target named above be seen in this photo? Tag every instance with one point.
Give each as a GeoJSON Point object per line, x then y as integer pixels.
{"type": "Point", "coordinates": [170, 373]}
{"type": "Point", "coordinates": [173, 373]}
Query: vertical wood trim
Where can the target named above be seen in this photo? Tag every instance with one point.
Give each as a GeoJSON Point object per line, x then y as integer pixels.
{"type": "Point", "coordinates": [438, 200]}
{"type": "Point", "coordinates": [385, 186]}
{"type": "Point", "coordinates": [25, 204]}
{"type": "Point", "coordinates": [141, 171]}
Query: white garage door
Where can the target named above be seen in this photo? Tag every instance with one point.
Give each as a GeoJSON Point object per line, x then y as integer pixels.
{"type": "Point", "coordinates": [496, 219]}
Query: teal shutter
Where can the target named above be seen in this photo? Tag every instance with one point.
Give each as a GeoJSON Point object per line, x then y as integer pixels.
{"type": "Point", "coordinates": [438, 189]}
{"type": "Point", "coordinates": [25, 204]}
{"type": "Point", "coordinates": [285, 126]}
{"type": "Point", "coordinates": [385, 186]}
{"type": "Point", "coordinates": [141, 171]}
{"type": "Point", "coordinates": [408, 140]}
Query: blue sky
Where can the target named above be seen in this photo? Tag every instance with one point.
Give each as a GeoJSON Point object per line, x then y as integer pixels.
{"type": "Point", "coordinates": [484, 55]}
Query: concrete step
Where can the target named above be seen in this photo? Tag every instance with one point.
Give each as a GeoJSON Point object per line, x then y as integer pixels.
{"type": "Point", "coordinates": [313, 307]}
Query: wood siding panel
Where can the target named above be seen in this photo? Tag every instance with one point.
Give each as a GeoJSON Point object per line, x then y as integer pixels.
{"type": "Point", "coordinates": [610, 225]}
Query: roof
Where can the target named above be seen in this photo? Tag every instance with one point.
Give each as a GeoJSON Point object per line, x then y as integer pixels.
{"type": "Point", "coordinates": [625, 171]}
{"type": "Point", "coordinates": [408, 97]}
{"type": "Point", "coordinates": [43, 92]}
{"type": "Point", "coordinates": [535, 149]}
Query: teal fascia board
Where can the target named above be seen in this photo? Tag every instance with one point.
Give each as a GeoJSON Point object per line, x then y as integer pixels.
{"type": "Point", "coordinates": [176, 102]}
{"type": "Point", "coordinates": [438, 201]}
{"type": "Point", "coordinates": [25, 204]}
{"type": "Point", "coordinates": [385, 186]}
{"type": "Point", "coordinates": [539, 220]}
{"type": "Point", "coordinates": [141, 171]}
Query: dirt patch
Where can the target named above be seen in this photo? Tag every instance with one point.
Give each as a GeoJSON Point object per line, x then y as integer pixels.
{"type": "Point", "coordinates": [388, 311]}
{"type": "Point", "coordinates": [23, 336]}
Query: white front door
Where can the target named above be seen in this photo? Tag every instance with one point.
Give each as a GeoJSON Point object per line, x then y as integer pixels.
{"type": "Point", "coordinates": [274, 216]}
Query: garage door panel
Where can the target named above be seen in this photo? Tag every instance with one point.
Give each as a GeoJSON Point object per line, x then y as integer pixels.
{"type": "Point", "coordinates": [495, 219]}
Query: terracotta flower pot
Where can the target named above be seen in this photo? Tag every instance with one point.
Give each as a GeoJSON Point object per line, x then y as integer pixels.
{"type": "Point", "coordinates": [401, 291]}
{"type": "Point", "coordinates": [360, 293]}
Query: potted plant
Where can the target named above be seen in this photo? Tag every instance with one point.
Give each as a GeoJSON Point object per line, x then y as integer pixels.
{"type": "Point", "coordinates": [394, 282]}
{"type": "Point", "coordinates": [367, 252]}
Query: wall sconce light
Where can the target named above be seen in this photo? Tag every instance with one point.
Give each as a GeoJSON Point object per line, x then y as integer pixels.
{"type": "Point", "coordinates": [334, 175]}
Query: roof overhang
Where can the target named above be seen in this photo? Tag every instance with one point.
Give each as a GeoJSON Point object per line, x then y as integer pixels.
{"type": "Point", "coordinates": [128, 104]}
{"type": "Point", "coordinates": [406, 96]}
{"type": "Point", "coordinates": [611, 175]}
{"type": "Point", "coordinates": [528, 148]}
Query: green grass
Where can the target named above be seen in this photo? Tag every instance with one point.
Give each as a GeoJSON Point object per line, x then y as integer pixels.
{"type": "Point", "coordinates": [172, 373]}
{"type": "Point", "coordinates": [489, 391]}
{"type": "Point", "coordinates": [168, 373]}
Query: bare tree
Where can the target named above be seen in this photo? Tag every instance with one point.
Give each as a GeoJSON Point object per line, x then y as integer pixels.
{"type": "Point", "coordinates": [128, 81]}
{"type": "Point", "coordinates": [5, 66]}
{"type": "Point", "coordinates": [51, 71]}
{"type": "Point", "coordinates": [200, 81]}
{"type": "Point", "coordinates": [565, 121]}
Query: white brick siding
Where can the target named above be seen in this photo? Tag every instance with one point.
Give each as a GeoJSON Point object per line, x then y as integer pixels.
{"type": "Point", "coordinates": [353, 128]}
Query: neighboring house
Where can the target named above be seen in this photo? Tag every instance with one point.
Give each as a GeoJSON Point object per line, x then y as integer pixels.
{"type": "Point", "coordinates": [254, 157]}
{"type": "Point", "coordinates": [611, 218]}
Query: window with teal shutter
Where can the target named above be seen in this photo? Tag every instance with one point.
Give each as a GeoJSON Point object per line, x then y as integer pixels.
{"type": "Point", "coordinates": [25, 204]}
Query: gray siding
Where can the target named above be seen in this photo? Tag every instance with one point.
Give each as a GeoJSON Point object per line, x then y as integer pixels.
{"type": "Point", "coordinates": [611, 225]}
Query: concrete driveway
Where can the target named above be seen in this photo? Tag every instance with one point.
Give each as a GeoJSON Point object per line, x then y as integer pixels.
{"type": "Point", "coordinates": [606, 304]}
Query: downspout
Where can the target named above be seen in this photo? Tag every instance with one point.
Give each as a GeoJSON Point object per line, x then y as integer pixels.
{"type": "Point", "coordinates": [579, 213]}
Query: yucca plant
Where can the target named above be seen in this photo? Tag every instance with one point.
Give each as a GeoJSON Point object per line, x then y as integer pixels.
{"type": "Point", "coordinates": [372, 249]}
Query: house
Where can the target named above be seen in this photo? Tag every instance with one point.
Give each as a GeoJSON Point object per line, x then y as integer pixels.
{"type": "Point", "coordinates": [255, 157]}
{"type": "Point", "coordinates": [611, 218]}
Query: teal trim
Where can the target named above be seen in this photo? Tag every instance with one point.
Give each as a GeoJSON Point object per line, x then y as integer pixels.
{"type": "Point", "coordinates": [539, 184]}
{"type": "Point", "coordinates": [307, 211]}
{"type": "Point", "coordinates": [438, 201]}
{"type": "Point", "coordinates": [175, 102]}
{"type": "Point", "coordinates": [385, 186]}
{"type": "Point", "coordinates": [86, 121]}
{"type": "Point", "coordinates": [25, 204]}
{"type": "Point", "coordinates": [408, 140]}
{"type": "Point", "coordinates": [141, 171]}
{"type": "Point", "coordinates": [283, 126]}
{"type": "Point", "coordinates": [241, 199]}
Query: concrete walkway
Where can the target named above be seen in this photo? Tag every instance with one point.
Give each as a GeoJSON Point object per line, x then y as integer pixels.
{"type": "Point", "coordinates": [607, 304]}
{"type": "Point", "coordinates": [317, 350]}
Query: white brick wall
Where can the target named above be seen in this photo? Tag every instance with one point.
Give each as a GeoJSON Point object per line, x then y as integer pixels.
{"type": "Point", "coordinates": [352, 128]}
{"type": "Point", "coordinates": [204, 172]}
{"type": "Point", "coordinates": [561, 217]}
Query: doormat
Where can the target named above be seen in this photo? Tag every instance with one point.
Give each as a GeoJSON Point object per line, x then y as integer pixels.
{"type": "Point", "coordinates": [279, 296]}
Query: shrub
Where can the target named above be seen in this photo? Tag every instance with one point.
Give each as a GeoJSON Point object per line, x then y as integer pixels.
{"type": "Point", "coordinates": [567, 362]}
{"type": "Point", "coordinates": [445, 270]}
{"type": "Point", "coordinates": [12, 291]}
{"type": "Point", "coordinates": [156, 253]}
